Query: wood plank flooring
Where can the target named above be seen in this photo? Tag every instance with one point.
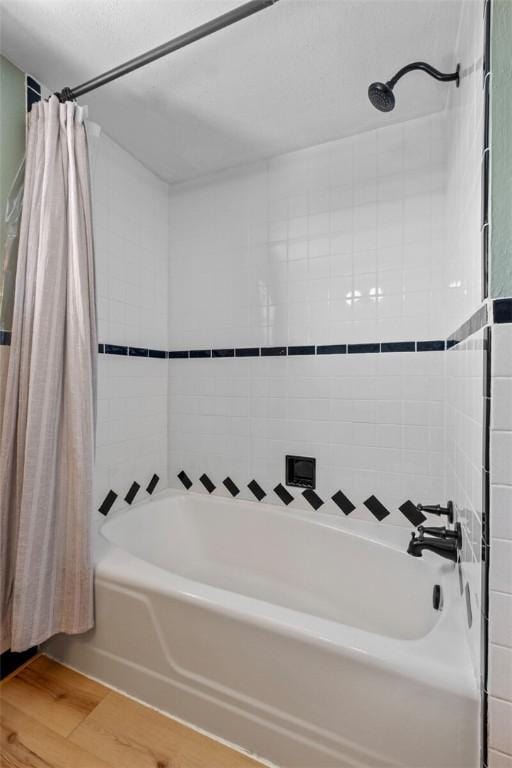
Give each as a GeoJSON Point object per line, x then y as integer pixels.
{"type": "Point", "coordinates": [53, 717]}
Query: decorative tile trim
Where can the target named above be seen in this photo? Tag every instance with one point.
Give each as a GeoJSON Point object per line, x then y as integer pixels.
{"type": "Point", "coordinates": [256, 489]}
{"type": "Point", "coordinates": [376, 507]}
{"type": "Point", "coordinates": [313, 498]}
{"type": "Point", "coordinates": [152, 484]}
{"type": "Point", "coordinates": [357, 349]}
{"type": "Point", "coordinates": [247, 352]}
{"type": "Point", "coordinates": [107, 502]}
{"type": "Point", "coordinates": [331, 349]}
{"type": "Point", "coordinates": [5, 338]}
{"type": "Point", "coordinates": [343, 502]}
{"type": "Point", "coordinates": [398, 346]}
{"type": "Point", "coordinates": [132, 492]}
{"type": "Point", "coordinates": [178, 354]}
{"type": "Point", "coordinates": [231, 486]}
{"type": "Point", "coordinates": [205, 480]}
{"type": "Point", "coordinates": [137, 352]}
{"type": "Point", "coordinates": [285, 495]}
{"type": "Point", "coordinates": [373, 504]}
{"type": "Point", "coordinates": [475, 323]}
{"type": "Point", "coordinates": [272, 351]}
{"type": "Point", "coordinates": [502, 311]}
{"type": "Point", "coordinates": [412, 513]}
{"type": "Point", "coordinates": [200, 353]}
{"type": "Point", "coordinates": [302, 350]}
{"type": "Point", "coordinates": [431, 346]}
{"type": "Point", "coordinates": [185, 479]}
{"type": "Point", "coordinates": [223, 352]}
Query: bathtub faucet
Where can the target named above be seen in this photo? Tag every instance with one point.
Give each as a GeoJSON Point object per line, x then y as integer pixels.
{"type": "Point", "coordinates": [445, 543]}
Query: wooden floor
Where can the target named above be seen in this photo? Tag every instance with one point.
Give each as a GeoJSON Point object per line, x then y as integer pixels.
{"type": "Point", "coordinates": [53, 717]}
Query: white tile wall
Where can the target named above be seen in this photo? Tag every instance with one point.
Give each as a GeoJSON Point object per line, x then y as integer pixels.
{"type": "Point", "coordinates": [343, 242]}
{"type": "Point", "coordinates": [465, 368]}
{"type": "Point", "coordinates": [500, 576]}
{"type": "Point", "coordinates": [374, 423]}
{"type": "Point", "coordinates": [465, 115]}
{"type": "Point", "coordinates": [130, 210]}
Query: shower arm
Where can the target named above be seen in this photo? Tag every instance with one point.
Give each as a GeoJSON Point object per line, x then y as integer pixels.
{"type": "Point", "coordinates": [203, 30]}
{"type": "Point", "coordinates": [432, 71]}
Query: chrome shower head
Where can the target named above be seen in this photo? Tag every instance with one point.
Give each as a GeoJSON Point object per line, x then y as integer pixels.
{"type": "Point", "coordinates": [381, 94]}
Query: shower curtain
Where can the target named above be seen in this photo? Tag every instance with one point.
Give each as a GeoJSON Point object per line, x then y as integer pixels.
{"type": "Point", "coordinates": [47, 439]}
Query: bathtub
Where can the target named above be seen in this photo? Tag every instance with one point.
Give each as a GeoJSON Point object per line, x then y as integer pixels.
{"type": "Point", "coordinates": [308, 640]}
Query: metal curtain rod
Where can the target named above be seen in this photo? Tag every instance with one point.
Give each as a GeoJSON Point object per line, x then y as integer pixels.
{"type": "Point", "coordinates": [203, 30]}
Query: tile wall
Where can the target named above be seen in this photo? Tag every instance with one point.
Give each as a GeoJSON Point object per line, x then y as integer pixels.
{"type": "Point", "coordinates": [341, 243]}
{"type": "Point", "coordinates": [500, 577]}
{"type": "Point", "coordinates": [130, 209]}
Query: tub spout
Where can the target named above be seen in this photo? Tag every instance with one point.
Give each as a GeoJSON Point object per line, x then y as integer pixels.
{"type": "Point", "coordinates": [444, 547]}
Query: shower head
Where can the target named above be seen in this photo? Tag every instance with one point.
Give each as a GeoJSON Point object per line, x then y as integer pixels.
{"type": "Point", "coordinates": [381, 94]}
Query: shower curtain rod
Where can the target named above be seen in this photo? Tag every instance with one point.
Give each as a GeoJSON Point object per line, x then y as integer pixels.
{"type": "Point", "coordinates": [203, 30]}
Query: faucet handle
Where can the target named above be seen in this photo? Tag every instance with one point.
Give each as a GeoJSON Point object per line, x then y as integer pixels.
{"type": "Point", "coordinates": [437, 509]}
{"type": "Point", "coordinates": [443, 533]}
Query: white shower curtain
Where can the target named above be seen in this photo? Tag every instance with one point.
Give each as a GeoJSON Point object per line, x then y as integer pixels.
{"type": "Point", "coordinates": [47, 439]}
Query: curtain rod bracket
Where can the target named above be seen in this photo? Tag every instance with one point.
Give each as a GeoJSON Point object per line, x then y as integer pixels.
{"type": "Point", "coordinates": [65, 95]}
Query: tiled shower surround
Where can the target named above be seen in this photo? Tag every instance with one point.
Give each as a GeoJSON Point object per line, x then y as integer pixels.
{"type": "Point", "coordinates": [337, 244]}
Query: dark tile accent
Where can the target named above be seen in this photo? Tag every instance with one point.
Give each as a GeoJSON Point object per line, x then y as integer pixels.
{"type": "Point", "coordinates": [134, 489]}
{"type": "Point", "coordinates": [178, 354]}
{"type": "Point", "coordinates": [283, 494]}
{"type": "Point", "coordinates": [398, 346]}
{"type": "Point", "coordinates": [357, 349]}
{"type": "Point", "coordinates": [160, 353]}
{"type": "Point", "coordinates": [137, 352]}
{"type": "Point", "coordinates": [376, 507]}
{"type": "Point", "coordinates": [502, 310]}
{"type": "Point", "coordinates": [461, 582]}
{"type": "Point", "coordinates": [302, 350]}
{"type": "Point", "coordinates": [343, 502]}
{"type": "Point", "coordinates": [312, 498]}
{"type": "Point", "coordinates": [223, 352]}
{"type": "Point", "coordinates": [485, 187]}
{"type": "Point", "coordinates": [331, 349]}
{"type": "Point", "coordinates": [412, 513]}
{"type": "Point", "coordinates": [10, 661]}
{"type": "Point", "coordinates": [107, 502]}
{"type": "Point", "coordinates": [205, 480]}
{"type": "Point", "coordinates": [485, 261]}
{"type": "Point", "coordinates": [115, 349]}
{"type": "Point", "coordinates": [152, 484]}
{"type": "Point", "coordinates": [247, 352]}
{"type": "Point", "coordinates": [475, 323]}
{"type": "Point", "coordinates": [31, 83]}
{"type": "Point", "coordinates": [5, 338]}
{"type": "Point", "coordinates": [256, 489]}
{"type": "Point", "coordinates": [101, 349]}
{"type": "Point", "coordinates": [430, 346]}
{"type": "Point", "coordinates": [273, 351]}
{"type": "Point", "coordinates": [468, 605]}
{"type": "Point", "coordinates": [185, 479]}
{"type": "Point", "coordinates": [231, 486]}
{"type": "Point", "coordinates": [200, 353]}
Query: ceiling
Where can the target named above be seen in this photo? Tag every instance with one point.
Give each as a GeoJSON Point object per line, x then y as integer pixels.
{"type": "Point", "coordinates": [293, 75]}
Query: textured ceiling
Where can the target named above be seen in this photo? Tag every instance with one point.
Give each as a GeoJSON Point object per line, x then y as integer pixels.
{"type": "Point", "coordinates": [293, 75]}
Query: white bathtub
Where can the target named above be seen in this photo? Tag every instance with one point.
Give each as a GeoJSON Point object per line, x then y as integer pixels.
{"type": "Point", "coordinates": [308, 640]}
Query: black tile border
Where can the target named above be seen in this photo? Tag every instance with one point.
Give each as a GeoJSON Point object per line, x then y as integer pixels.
{"type": "Point", "coordinates": [376, 507]}
{"type": "Point", "coordinates": [185, 479]}
{"type": "Point", "coordinates": [412, 513]}
{"type": "Point", "coordinates": [5, 338]}
{"type": "Point", "coordinates": [313, 498]}
{"type": "Point", "coordinates": [343, 502]}
{"type": "Point", "coordinates": [256, 489]}
{"type": "Point", "coordinates": [500, 311]}
{"type": "Point", "coordinates": [207, 483]}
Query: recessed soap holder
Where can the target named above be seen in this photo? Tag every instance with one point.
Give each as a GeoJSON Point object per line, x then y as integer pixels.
{"type": "Point", "coordinates": [301, 471]}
